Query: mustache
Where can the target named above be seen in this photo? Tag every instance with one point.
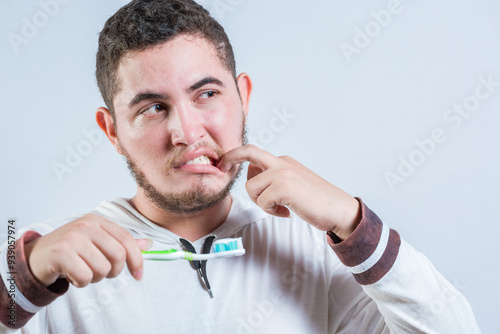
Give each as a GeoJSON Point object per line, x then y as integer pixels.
{"type": "Point", "coordinates": [179, 155]}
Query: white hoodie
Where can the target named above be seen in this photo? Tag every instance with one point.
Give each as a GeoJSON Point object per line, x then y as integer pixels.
{"type": "Point", "coordinates": [289, 281]}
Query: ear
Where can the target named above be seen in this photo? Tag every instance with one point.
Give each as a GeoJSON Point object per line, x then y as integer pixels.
{"type": "Point", "coordinates": [245, 88]}
{"type": "Point", "coordinates": [107, 124]}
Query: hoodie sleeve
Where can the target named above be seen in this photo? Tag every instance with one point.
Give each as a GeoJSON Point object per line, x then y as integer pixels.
{"type": "Point", "coordinates": [411, 295]}
{"type": "Point", "coordinates": [21, 295]}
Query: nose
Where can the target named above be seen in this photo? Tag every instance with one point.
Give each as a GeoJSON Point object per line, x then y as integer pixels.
{"type": "Point", "coordinates": [186, 127]}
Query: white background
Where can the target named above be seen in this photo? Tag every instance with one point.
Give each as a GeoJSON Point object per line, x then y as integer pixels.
{"type": "Point", "coordinates": [354, 117]}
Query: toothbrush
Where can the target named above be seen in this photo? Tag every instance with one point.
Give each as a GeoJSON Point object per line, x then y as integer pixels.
{"type": "Point", "coordinates": [221, 248]}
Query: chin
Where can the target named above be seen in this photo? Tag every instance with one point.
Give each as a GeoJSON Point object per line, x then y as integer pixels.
{"type": "Point", "coordinates": [186, 194]}
{"type": "Point", "coordinates": [188, 200]}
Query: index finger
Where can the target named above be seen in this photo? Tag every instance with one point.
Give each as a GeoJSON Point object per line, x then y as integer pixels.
{"type": "Point", "coordinates": [134, 255]}
{"type": "Point", "coordinates": [251, 153]}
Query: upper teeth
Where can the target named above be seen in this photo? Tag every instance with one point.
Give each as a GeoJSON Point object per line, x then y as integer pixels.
{"type": "Point", "coordinates": [201, 160]}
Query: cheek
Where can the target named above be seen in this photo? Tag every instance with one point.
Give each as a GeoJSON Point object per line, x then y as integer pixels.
{"type": "Point", "coordinates": [142, 142]}
{"type": "Point", "coordinates": [226, 126]}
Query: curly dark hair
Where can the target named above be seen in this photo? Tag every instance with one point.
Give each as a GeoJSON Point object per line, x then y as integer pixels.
{"type": "Point", "coordinates": [143, 24]}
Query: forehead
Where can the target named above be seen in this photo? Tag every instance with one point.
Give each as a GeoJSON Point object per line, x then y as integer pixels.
{"type": "Point", "coordinates": [167, 65]}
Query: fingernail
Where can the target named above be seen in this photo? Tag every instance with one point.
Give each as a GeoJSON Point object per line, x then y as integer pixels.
{"type": "Point", "coordinates": [271, 211]}
{"type": "Point", "coordinates": [138, 274]}
{"type": "Point", "coordinates": [145, 244]}
{"type": "Point", "coordinates": [150, 243]}
{"type": "Point", "coordinates": [221, 168]}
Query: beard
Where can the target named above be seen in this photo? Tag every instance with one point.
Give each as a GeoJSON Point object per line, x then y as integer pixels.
{"type": "Point", "coordinates": [190, 201]}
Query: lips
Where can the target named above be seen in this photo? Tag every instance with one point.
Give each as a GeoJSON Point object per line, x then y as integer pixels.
{"type": "Point", "coordinates": [200, 157]}
{"type": "Point", "coordinates": [201, 160]}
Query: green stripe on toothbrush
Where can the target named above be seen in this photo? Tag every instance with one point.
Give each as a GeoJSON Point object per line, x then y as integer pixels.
{"type": "Point", "coordinates": [161, 252]}
{"type": "Point", "coordinates": [168, 251]}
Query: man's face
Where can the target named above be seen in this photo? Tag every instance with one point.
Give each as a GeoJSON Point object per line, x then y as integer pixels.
{"type": "Point", "coordinates": [177, 112]}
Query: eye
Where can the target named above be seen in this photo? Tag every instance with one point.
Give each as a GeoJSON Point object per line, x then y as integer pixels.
{"type": "Point", "coordinates": [154, 109]}
{"type": "Point", "coordinates": [207, 96]}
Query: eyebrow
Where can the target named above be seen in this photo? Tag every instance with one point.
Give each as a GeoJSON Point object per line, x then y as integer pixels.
{"type": "Point", "coordinates": [145, 96]}
{"type": "Point", "coordinates": [154, 96]}
{"type": "Point", "coordinates": [203, 82]}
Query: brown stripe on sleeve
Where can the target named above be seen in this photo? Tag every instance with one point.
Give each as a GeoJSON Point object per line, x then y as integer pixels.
{"type": "Point", "coordinates": [383, 265]}
{"type": "Point", "coordinates": [11, 315]}
{"type": "Point", "coordinates": [361, 244]}
{"type": "Point", "coordinates": [28, 285]}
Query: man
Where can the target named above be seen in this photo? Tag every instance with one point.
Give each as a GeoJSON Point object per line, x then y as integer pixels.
{"type": "Point", "coordinates": [177, 111]}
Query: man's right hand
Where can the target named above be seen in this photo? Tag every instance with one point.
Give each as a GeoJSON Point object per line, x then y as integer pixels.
{"type": "Point", "coordinates": [85, 251]}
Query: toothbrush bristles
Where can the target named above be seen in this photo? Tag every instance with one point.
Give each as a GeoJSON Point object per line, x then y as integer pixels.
{"type": "Point", "coordinates": [225, 245]}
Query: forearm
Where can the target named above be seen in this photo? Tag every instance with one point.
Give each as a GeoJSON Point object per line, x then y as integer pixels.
{"type": "Point", "coordinates": [410, 293]}
{"type": "Point", "coordinates": [414, 297]}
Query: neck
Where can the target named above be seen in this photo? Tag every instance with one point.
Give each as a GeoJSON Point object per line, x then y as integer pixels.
{"type": "Point", "coordinates": [189, 226]}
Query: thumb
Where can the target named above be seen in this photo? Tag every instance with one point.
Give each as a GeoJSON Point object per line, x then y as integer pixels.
{"type": "Point", "coordinates": [253, 170]}
{"type": "Point", "coordinates": [144, 244]}
{"type": "Point", "coordinates": [279, 211]}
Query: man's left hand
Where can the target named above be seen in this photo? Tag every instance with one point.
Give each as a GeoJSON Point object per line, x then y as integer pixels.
{"type": "Point", "coordinates": [281, 184]}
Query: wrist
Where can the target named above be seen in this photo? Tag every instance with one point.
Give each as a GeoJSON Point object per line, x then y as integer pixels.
{"type": "Point", "coordinates": [34, 267]}
{"type": "Point", "coordinates": [28, 247]}
{"type": "Point", "coordinates": [350, 220]}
